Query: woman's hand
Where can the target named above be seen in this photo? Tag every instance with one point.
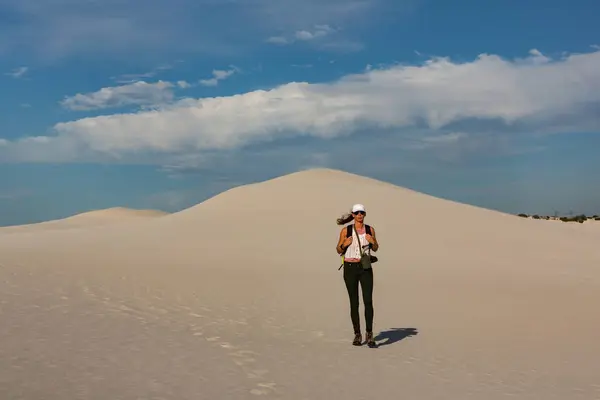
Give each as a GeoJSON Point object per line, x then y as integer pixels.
{"type": "Point", "coordinates": [373, 242]}
{"type": "Point", "coordinates": [348, 241]}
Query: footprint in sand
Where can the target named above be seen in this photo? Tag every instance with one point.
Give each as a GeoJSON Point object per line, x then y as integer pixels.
{"type": "Point", "coordinates": [256, 373]}
{"type": "Point", "coordinates": [243, 359]}
{"type": "Point", "coordinates": [263, 388]}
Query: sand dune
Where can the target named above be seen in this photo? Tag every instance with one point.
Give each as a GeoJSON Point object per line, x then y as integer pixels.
{"type": "Point", "coordinates": [240, 297]}
{"type": "Point", "coordinates": [88, 219]}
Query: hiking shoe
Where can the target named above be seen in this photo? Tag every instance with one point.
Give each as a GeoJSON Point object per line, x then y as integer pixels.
{"type": "Point", "coordinates": [370, 340]}
{"type": "Point", "coordinates": [357, 339]}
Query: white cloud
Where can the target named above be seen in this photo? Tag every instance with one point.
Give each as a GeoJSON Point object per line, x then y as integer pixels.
{"type": "Point", "coordinates": [138, 93]}
{"type": "Point", "coordinates": [440, 142]}
{"type": "Point", "coordinates": [319, 31]}
{"type": "Point", "coordinates": [18, 72]}
{"type": "Point", "coordinates": [536, 57]}
{"type": "Point", "coordinates": [218, 75]}
{"type": "Point", "coordinates": [56, 29]}
{"type": "Point", "coordinates": [131, 78]}
{"type": "Point", "coordinates": [488, 94]}
{"type": "Point", "coordinates": [446, 138]}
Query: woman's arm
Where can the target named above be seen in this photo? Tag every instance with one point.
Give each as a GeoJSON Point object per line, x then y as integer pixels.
{"type": "Point", "coordinates": [340, 246]}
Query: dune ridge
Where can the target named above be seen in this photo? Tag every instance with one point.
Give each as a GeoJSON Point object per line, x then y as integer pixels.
{"type": "Point", "coordinates": [89, 219]}
{"type": "Point", "coordinates": [240, 297]}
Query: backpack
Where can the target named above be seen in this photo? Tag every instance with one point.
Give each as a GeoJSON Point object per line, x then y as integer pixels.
{"type": "Point", "coordinates": [349, 233]}
{"type": "Point", "coordinates": [349, 230]}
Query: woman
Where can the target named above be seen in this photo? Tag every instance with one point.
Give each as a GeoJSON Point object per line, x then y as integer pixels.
{"type": "Point", "coordinates": [348, 245]}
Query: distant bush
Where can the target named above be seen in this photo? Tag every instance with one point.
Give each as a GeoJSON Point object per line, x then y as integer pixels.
{"type": "Point", "coordinates": [577, 218]}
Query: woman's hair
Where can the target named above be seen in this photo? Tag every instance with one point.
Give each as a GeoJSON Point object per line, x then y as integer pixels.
{"type": "Point", "coordinates": [345, 218]}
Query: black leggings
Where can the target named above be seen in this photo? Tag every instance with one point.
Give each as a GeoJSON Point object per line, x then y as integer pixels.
{"type": "Point", "coordinates": [353, 275]}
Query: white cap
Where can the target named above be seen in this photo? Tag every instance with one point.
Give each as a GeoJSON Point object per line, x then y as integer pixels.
{"type": "Point", "coordinates": [358, 207]}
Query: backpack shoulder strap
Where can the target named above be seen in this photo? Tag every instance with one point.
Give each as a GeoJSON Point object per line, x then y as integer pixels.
{"type": "Point", "coordinates": [349, 230]}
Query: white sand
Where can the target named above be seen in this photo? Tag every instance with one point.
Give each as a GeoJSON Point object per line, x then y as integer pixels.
{"type": "Point", "coordinates": [240, 297]}
{"type": "Point", "coordinates": [89, 219]}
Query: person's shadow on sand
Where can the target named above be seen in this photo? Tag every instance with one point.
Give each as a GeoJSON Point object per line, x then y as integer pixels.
{"type": "Point", "coordinates": [394, 335]}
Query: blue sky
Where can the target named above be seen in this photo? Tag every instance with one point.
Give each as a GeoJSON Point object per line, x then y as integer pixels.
{"type": "Point", "coordinates": [161, 104]}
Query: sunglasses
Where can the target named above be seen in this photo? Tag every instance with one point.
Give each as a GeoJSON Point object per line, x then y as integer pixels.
{"type": "Point", "coordinates": [359, 212]}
